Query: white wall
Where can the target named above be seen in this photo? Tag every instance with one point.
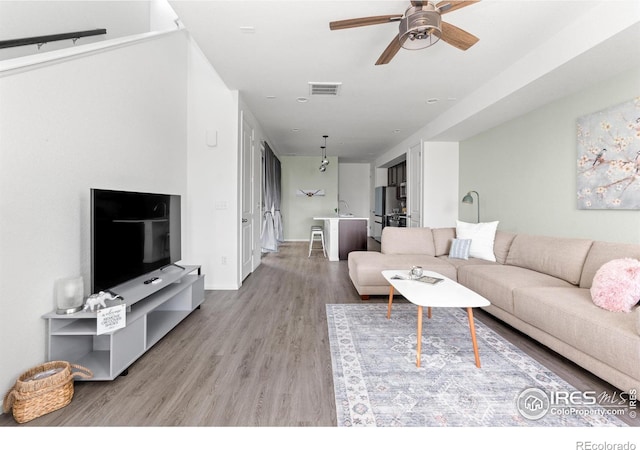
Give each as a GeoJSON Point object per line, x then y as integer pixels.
{"type": "Point", "coordinates": [22, 19]}
{"type": "Point", "coordinates": [300, 172]}
{"type": "Point", "coordinates": [354, 187]}
{"type": "Point", "coordinates": [525, 169]}
{"type": "Point", "coordinates": [440, 180]}
{"type": "Point", "coordinates": [113, 119]}
{"type": "Point", "coordinates": [213, 174]}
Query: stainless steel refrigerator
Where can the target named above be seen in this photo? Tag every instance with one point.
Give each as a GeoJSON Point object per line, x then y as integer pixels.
{"type": "Point", "coordinates": [384, 203]}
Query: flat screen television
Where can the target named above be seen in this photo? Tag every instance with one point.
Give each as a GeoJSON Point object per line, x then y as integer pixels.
{"type": "Point", "coordinates": [132, 234]}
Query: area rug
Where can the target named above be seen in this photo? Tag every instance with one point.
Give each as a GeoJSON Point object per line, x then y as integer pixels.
{"type": "Point", "coordinates": [377, 383]}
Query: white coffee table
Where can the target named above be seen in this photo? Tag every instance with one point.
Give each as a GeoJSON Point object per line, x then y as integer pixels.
{"type": "Point", "coordinates": [445, 294]}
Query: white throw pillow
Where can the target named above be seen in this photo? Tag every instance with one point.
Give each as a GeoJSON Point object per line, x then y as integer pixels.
{"type": "Point", "coordinates": [482, 236]}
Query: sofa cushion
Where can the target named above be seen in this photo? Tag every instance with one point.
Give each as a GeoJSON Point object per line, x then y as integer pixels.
{"type": "Point", "coordinates": [407, 241]}
{"type": "Point", "coordinates": [482, 237]}
{"type": "Point", "coordinates": [570, 315]}
{"type": "Point", "coordinates": [495, 282]}
{"type": "Point", "coordinates": [366, 267]}
{"type": "Point", "coordinates": [455, 262]}
{"type": "Point", "coordinates": [602, 252]}
{"type": "Point", "coordinates": [502, 244]}
{"type": "Point", "coordinates": [442, 238]}
{"type": "Point", "coordinates": [559, 257]}
{"type": "Point", "coordinates": [460, 249]}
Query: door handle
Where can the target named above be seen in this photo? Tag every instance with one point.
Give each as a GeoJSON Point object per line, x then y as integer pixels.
{"type": "Point", "coordinates": [245, 220]}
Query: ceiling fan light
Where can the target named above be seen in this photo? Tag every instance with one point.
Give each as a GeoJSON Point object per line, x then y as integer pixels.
{"type": "Point", "coordinates": [420, 27]}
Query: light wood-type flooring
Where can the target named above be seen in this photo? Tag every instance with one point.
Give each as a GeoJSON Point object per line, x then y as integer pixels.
{"type": "Point", "coordinates": [256, 357]}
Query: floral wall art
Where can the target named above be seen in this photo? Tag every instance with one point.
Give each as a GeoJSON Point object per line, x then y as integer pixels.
{"type": "Point", "coordinates": [609, 158]}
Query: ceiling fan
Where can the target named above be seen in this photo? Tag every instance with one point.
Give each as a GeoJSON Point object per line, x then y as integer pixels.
{"type": "Point", "coordinates": [421, 26]}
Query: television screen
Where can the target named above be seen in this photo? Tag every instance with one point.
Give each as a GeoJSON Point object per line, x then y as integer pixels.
{"type": "Point", "coordinates": [132, 234]}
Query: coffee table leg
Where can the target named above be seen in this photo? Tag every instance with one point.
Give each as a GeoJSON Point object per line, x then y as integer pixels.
{"type": "Point", "coordinates": [419, 344]}
{"type": "Point", "coordinates": [429, 312]}
{"type": "Point", "coordinates": [472, 327]}
{"type": "Point", "coordinates": [390, 302]}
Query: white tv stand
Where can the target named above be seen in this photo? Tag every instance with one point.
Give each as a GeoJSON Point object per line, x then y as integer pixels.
{"type": "Point", "coordinates": [153, 309]}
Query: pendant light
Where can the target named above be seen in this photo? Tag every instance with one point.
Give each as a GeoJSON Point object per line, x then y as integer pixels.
{"type": "Point", "coordinates": [325, 161]}
{"type": "Point", "coordinates": [323, 166]}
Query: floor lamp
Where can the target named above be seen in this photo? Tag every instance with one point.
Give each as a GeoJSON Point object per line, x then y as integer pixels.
{"type": "Point", "coordinates": [469, 199]}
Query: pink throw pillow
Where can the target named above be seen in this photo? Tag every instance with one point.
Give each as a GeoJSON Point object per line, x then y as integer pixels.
{"type": "Point", "coordinates": [616, 285]}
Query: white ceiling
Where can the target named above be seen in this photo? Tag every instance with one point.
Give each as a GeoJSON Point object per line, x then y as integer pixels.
{"type": "Point", "coordinates": [530, 52]}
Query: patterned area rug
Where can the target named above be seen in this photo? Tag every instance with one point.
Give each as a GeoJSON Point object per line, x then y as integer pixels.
{"type": "Point", "coordinates": [378, 384]}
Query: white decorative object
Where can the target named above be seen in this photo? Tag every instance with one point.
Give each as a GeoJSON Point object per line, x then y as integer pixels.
{"type": "Point", "coordinates": [69, 295]}
{"type": "Point", "coordinates": [97, 301]}
{"type": "Point", "coordinates": [415, 272]}
{"type": "Point", "coordinates": [310, 192]}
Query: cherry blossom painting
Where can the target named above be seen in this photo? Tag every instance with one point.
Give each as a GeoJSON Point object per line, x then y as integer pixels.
{"type": "Point", "coordinates": [609, 158]}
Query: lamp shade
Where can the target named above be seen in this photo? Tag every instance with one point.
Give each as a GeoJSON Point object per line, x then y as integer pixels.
{"type": "Point", "coordinates": [325, 161]}
{"type": "Point", "coordinates": [420, 27]}
{"type": "Point", "coordinates": [468, 199]}
{"type": "Point", "coordinates": [69, 294]}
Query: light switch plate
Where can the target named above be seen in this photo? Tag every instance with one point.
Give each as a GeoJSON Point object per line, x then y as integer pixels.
{"type": "Point", "coordinates": [212, 138]}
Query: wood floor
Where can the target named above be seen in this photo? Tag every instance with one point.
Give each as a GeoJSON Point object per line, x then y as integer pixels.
{"type": "Point", "coordinates": [257, 357]}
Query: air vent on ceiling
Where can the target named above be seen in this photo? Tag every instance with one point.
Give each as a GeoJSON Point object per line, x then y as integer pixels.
{"type": "Point", "coordinates": [324, 88]}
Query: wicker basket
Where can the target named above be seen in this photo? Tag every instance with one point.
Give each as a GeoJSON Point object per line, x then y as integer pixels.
{"type": "Point", "coordinates": [42, 389]}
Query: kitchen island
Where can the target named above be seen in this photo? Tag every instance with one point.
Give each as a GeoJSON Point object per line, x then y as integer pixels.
{"type": "Point", "coordinates": [344, 234]}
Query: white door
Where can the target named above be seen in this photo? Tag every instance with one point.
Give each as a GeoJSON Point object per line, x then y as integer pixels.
{"type": "Point", "coordinates": [414, 186]}
{"type": "Point", "coordinates": [246, 230]}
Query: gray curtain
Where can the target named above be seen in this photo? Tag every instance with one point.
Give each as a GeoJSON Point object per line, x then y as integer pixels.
{"type": "Point", "coordinates": [272, 219]}
{"type": "Point", "coordinates": [277, 217]}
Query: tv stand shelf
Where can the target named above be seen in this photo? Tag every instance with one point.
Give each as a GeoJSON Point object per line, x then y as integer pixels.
{"type": "Point", "coordinates": [153, 310]}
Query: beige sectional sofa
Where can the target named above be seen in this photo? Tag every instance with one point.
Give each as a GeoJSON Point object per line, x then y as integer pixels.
{"type": "Point", "coordinates": [539, 285]}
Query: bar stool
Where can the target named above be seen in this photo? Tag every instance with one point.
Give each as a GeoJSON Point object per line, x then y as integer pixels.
{"type": "Point", "coordinates": [317, 231]}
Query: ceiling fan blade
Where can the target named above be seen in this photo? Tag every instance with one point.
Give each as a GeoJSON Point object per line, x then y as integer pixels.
{"type": "Point", "coordinates": [447, 6]}
{"type": "Point", "coordinates": [457, 37]}
{"type": "Point", "coordinates": [364, 21]}
{"type": "Point", "coordinates": [387, 55]}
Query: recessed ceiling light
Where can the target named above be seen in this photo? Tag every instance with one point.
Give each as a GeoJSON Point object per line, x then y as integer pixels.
{"type": "Point", "coordinates": [247, 29]}
{"type": "Point", "coordinates": [396, 131]}
{"type": "Point", "coordinates": [302, 99]}
{"type": "Point", "coordinates": [431, 101]}
{"type": "Point", "coordinates": [271, 97]}
{"type": "Point", "coordinates": [295, 130]}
